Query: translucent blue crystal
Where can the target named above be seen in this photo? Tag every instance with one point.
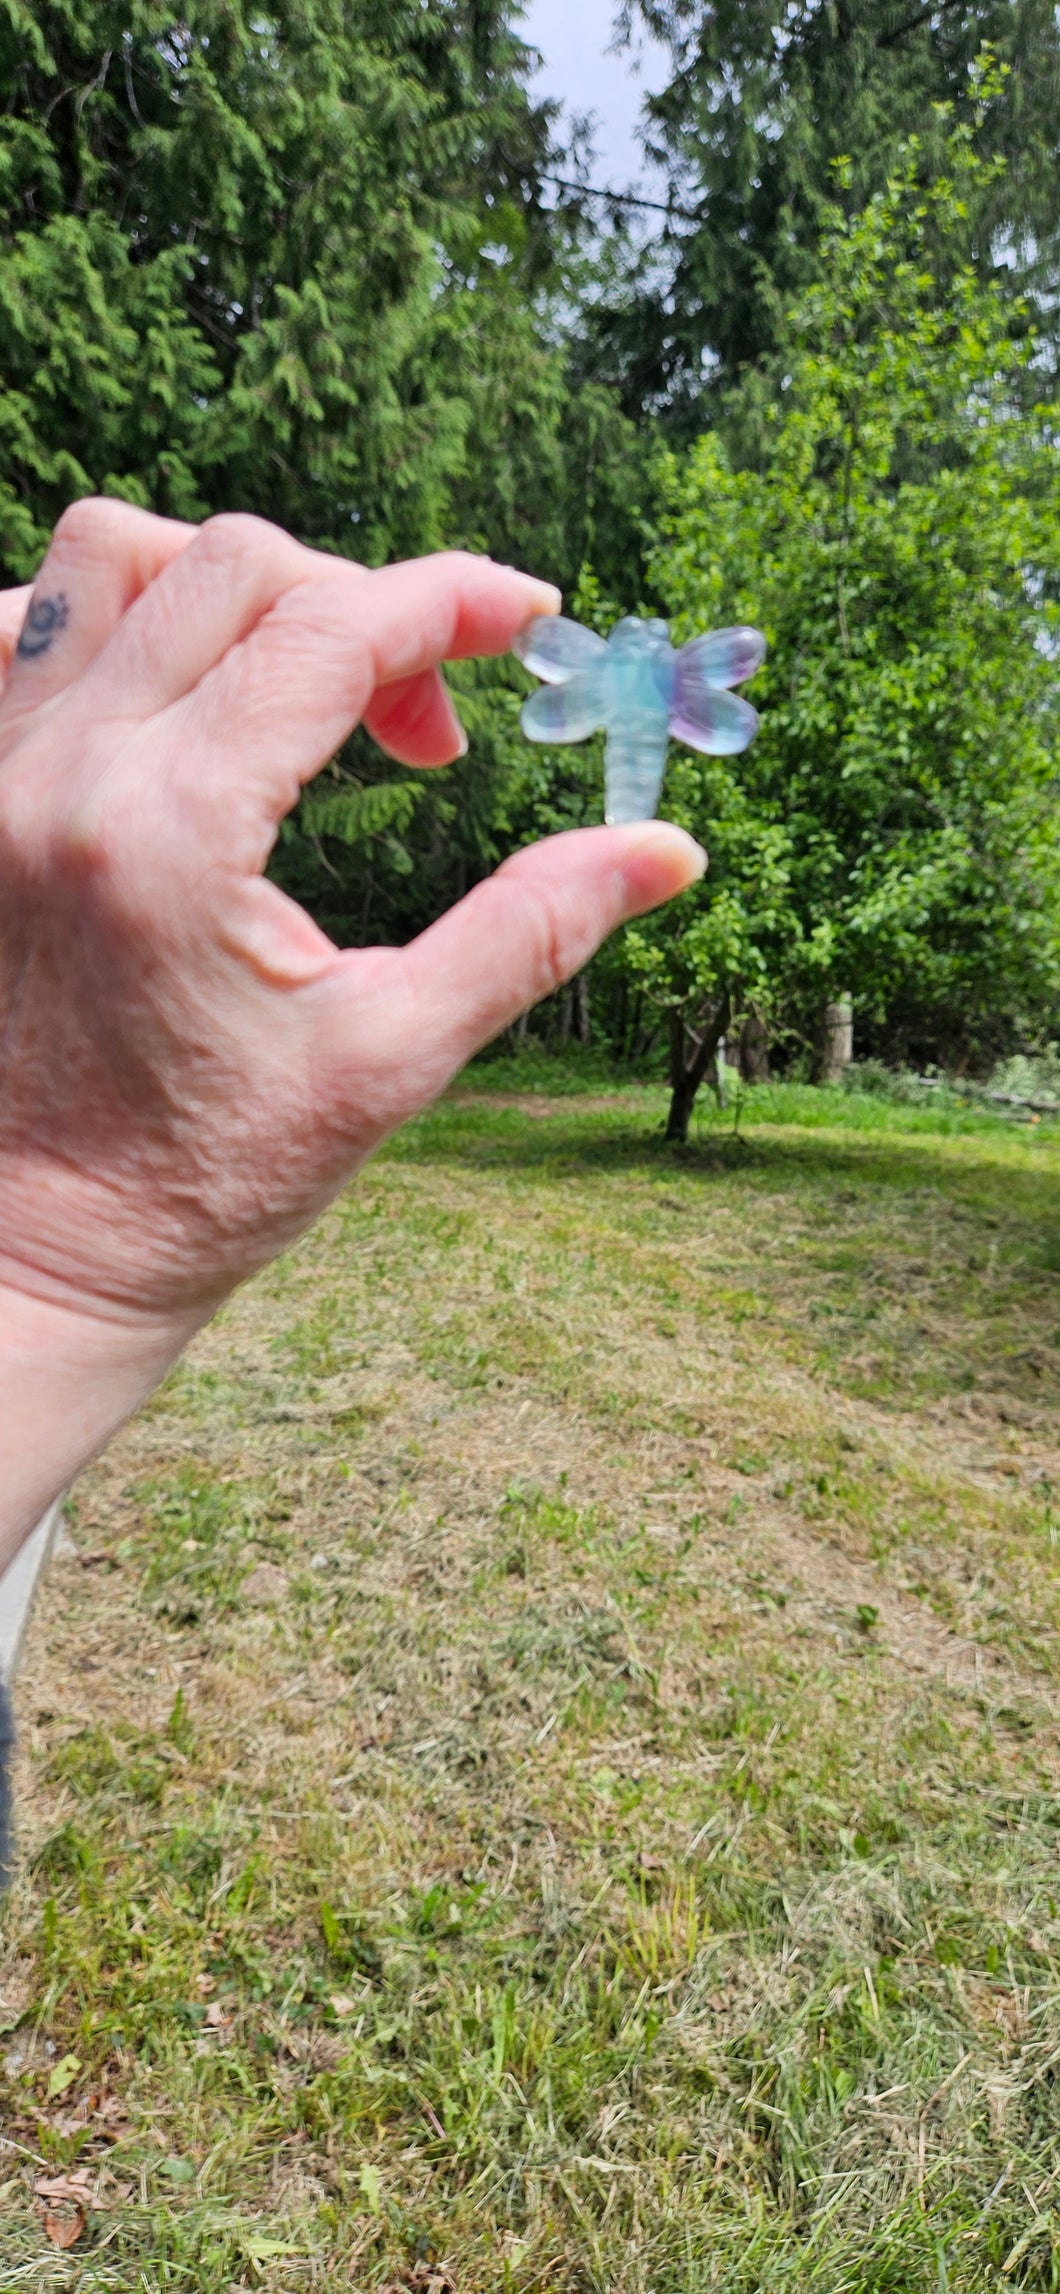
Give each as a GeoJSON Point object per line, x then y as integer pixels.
{"type": "Point", "coordinates": [637, 688]}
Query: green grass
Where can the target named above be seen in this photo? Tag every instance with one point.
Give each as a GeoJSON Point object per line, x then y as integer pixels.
{"type": "Point", "coordinates": [621, 1850]}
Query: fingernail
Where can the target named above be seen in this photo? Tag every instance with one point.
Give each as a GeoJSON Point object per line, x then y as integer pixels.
{"type": "Point", "coordinates": [656, 836]}
{"type": "Point", "coordinates": [547, 589]}
{"type": "Point", "coordinates": [464, 743]}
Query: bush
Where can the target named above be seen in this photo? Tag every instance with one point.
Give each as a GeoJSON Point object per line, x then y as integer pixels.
{"type": "Point", "coordinates": [1030, 1075]}
{"type": "Point", "coordinates": [898, 1084]}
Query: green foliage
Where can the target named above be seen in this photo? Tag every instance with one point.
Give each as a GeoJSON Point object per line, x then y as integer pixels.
{"type": "Point", "coordinates": [298, 264]}
{"type": "Point", "coordinates": [765, 97]}
{"type": "Point", "coordinates": [892, 831]}
{"type": "Point", "coordinates": [240, 261]}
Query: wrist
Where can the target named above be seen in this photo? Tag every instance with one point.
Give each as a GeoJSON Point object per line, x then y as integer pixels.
{"type": "Point", "coordinates": [69, 1378]}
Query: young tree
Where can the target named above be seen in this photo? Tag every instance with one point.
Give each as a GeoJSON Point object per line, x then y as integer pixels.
{"type": "Point", "coordinates": [896, 545]}
{"type": "Point", "coordinates": [713, 960]}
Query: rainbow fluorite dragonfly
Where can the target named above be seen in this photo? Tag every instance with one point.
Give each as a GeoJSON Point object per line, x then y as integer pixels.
{"type": "Point", "coordinates": [639, 689]}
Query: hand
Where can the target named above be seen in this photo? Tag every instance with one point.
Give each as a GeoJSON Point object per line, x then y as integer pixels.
{"type": "Point", "coordinates": [189, 1069]}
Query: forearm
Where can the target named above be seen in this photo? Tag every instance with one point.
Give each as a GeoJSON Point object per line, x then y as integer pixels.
{"type": "Point", "coordinates": [67, 1382]}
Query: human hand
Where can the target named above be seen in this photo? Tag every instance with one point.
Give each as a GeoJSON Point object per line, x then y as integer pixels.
{"type": "Point", "coordinates": [189, 1069]}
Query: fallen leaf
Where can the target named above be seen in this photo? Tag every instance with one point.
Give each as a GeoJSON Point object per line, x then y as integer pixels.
{"type": "Point", "coordinates": [178, 2169]}
{"type": "Point", "coordinates": [64, 2230]}
{"type": "Point", "coordinates": [67, 2123]}
{"type": "Point", "coordinates": [341, 2003]}
{"type": "Point", "coordinates": [114, 2122]}
{"type": "Point", "coordinates": [217, 2016]}
{"type": "Point", "coordinates": [206, 1984]}
{"type": "Point", "coordinates": [117, 2193]}
{"type": "Point", "coordinates": [62, 2077]}
{"type": "Point", "coordinates": [74, 2188]}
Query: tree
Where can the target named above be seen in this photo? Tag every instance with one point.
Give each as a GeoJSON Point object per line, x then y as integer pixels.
{"type": "Point", "coordinates": [298, 262]}
{"type": "Point", "coordinates": [708, 961]}
{"type": "Point", "coordinates": [895, 545]}
{"type": "Point", "coordinates": [765, 97]}
{"type": "Point", "coordinates": [232, 248]}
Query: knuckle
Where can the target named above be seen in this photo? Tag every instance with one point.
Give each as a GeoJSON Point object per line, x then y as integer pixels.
{"type": "Point", "coordinates": [94, 834]}
{"type": "Point", "coordinates": [84, 847]}
{"type": "Point", "coordinates": [88, 526]}
{"type": "Point", "coordinates": [543, 931]}
{"type": "Point", "coordinates": [234, 537]}
{"type": "Point", "coordinates": [72, 834]}
{"type": "Point", "coordinates": [460, 562]}
{"type": "Point", "coordinates": [555, 956]}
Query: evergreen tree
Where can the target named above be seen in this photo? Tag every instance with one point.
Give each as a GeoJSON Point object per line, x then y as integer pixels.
{"type": "Point", "coordinates": [297, 261]}
{"type": "Point", "coordinates": [235, 249]}
{"type": "Point", "coordinates": [765, 97]}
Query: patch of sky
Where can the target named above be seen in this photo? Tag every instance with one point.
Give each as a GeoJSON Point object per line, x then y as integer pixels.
{"type": "Point", "coordinates": [599, 84]}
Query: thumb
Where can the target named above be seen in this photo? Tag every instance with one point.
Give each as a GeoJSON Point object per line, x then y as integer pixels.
{"type": "Point", "coordinates": [397, 1031]}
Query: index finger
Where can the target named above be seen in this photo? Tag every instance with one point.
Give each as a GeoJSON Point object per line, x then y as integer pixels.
{"type": "Point", "coordinates": [283, 700]}
{"type": "Point", "coordinates": [13, 603]}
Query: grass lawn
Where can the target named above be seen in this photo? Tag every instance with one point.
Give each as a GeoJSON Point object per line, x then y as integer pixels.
{"type": "Point", "coordinates": [539, 1763]}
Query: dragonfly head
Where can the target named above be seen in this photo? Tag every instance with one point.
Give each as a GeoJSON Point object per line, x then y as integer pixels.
{"type": "Point", "coordinates": [635, 636]}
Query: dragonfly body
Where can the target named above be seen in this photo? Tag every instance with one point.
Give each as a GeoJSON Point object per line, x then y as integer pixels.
{"type": "Point", "coordinates": [639, 675]}
{"type": "Point", "coordinates": [639, 690]}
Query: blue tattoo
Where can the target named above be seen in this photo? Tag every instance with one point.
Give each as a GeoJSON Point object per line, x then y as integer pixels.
{"type": "Point", "coordinates": [47, 616]}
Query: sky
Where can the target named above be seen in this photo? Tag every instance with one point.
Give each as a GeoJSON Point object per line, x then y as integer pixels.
{"type": "Point", "coordinates": [574, 36]}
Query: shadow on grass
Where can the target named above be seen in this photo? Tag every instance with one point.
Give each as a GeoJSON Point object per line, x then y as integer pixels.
{"type": "Point", "coordinates": [968, 1165]}
{"type": "Point", "coordinates": [998, 1193]}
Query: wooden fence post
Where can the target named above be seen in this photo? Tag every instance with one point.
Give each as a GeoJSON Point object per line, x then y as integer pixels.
{"type": "Point", "coordinates": [837, 1041]}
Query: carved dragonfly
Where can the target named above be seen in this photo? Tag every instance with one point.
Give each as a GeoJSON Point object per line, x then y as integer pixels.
{"type": "Point", "coordinates": [635, 686]}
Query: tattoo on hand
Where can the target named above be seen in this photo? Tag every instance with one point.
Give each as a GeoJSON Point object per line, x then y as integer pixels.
{"type": "Point", "coordinates": [46, 617]}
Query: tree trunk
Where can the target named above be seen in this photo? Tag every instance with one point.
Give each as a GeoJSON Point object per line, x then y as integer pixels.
{"type": "Point", "coordinates": [837, 1041]}
{"type": "Point", "coordinates": [629, 1049]}
{"type": "Point", "coordinates": [690, 1058]}
{"type": "Point", "coordinates": [583, 1026]}
{"type": "Point", "coordinates": [754, 1048]}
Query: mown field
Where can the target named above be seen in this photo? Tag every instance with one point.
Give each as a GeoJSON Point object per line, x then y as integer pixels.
{"type": "Point", "coordinates": [540, 1762]}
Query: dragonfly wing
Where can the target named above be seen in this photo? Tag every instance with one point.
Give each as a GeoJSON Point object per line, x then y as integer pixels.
{"type": "Point", "coordinates": [724, 658]}
{"type": "Point", "coordinates": [718, 724]}
{"type": "Point", "coordinates": [566, 712]}
{"type": "Point", "coordinates": [556, 649]}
